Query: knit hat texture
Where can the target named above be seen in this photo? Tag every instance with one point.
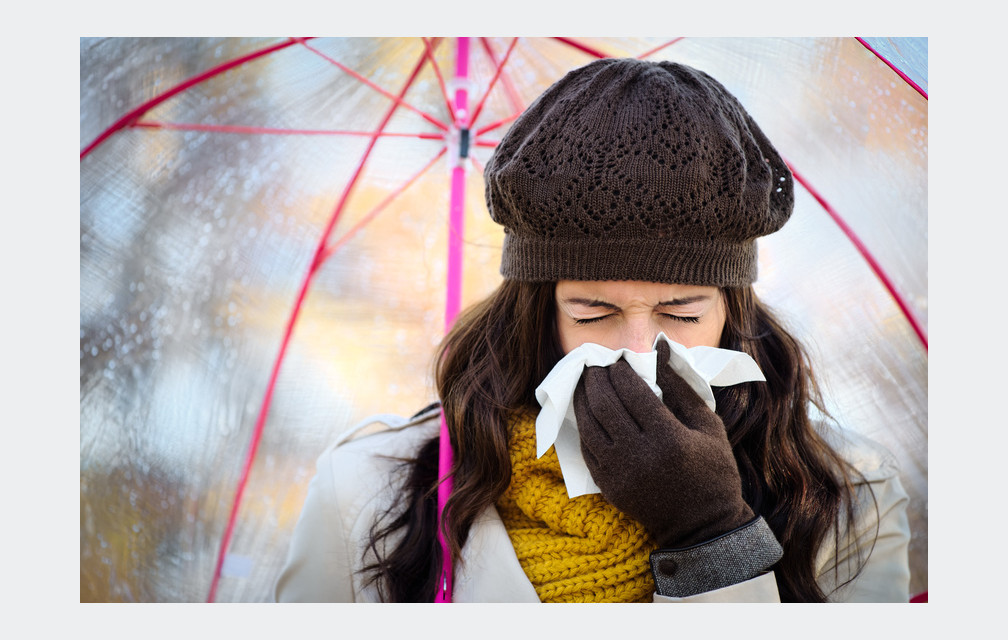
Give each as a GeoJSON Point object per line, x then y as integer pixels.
{"type": "Point", "coordinates": [632, 170]}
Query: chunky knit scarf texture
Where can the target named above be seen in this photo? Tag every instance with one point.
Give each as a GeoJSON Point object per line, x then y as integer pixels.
{"type": "Point", "coordinates": [572, 550]}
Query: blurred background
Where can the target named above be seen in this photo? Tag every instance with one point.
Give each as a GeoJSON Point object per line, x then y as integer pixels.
{"type": "Point", "coordinates": [201, 213]}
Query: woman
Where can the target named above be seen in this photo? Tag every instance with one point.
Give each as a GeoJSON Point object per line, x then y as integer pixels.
{"type": "Point", "coordinates": [631, 194]}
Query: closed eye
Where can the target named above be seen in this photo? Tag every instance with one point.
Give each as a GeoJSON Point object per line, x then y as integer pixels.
{"type": "Point", "coordinates": [589, 320]}
{"type": "Point", "coordinates": [693, 319]}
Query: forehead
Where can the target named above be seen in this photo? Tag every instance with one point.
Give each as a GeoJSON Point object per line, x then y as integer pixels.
{"type": "Point", "coordinates": [624, 291]}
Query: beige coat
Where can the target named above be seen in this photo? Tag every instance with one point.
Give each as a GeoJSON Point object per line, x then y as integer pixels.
{"type": "Point", "coordinates": [354, 483]}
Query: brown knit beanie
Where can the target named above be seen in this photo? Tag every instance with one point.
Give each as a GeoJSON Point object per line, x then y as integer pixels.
{"type": "Point", "coordinates": [634, 170]}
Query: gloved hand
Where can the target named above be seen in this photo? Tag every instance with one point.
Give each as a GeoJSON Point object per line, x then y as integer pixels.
{"type": "Point", "coordinates": [665, 462]}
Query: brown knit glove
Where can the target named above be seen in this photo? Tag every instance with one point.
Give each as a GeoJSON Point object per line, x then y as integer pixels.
{"type": "Point", "coordinates": [665, 462]}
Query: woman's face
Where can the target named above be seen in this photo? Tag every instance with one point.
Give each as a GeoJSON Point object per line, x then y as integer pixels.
{"type": "Point", "coordinates": [629, 314]}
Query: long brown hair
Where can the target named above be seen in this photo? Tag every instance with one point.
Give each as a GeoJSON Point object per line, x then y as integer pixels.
{"type": "Point", "coordinates": [790, 475]}
{"type": "Point", "coordinates": [488, 367]}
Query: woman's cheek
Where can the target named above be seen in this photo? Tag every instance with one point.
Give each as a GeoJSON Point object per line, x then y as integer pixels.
{"type": "Point", "coordinates": [696, 335]}
{"type": "Point", "coordinates": [573, 336]}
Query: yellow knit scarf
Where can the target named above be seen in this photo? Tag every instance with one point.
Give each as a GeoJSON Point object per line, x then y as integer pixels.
{"type": "Point", "coordinates": [572, 550]}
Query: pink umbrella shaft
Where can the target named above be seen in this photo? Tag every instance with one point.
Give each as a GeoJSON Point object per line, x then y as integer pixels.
{"type": "Point", "coordinates": [453, 298]}
{"type": "Point", "coordinates": [444, 490]}
{"type": "Point", "coordinates": [456, 227]}
{"type": "Point", "coordinates": [452, 303]}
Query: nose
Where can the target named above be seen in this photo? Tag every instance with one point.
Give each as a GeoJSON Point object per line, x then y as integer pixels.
{"type": "Point", "coordinates": [640, 336]}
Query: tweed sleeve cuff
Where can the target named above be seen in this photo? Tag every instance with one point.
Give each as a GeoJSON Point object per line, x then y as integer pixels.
{"type": "Point", "coordinates": [731, 558]}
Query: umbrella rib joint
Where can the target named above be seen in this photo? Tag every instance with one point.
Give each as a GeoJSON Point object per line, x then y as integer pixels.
{"type": "Point", "coordinates": [459, 140]}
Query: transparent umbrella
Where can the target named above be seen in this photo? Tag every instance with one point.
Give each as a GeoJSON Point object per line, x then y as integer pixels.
{"type": "Point", "coordinates": [265, 249]}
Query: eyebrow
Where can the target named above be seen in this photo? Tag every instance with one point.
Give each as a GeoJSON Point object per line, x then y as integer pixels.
{"type": "Point", "coordinates": [675, 302]}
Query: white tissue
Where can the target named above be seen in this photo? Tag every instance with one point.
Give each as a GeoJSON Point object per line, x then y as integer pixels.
{"type": "Point", "coordinates": [556, 425]}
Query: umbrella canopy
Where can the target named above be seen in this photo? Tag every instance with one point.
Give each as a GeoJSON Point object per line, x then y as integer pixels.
{"type": "Point", "coordinates": [264, 250]}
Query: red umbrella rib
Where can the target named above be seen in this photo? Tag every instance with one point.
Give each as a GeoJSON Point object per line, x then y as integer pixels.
{"type": "Point", "coordinates": [292, 320]}
{"type": "Point", "coordinates": [582, 47]}
{"type": "Point", "coordinates": [493, 81]}
{"type": "Point", "coordinates": [867, 255]}
{"type": "Point", "coordinates": [133, 116]}
{"type": "Point", "coordinates": [241, 129]}
{"type": "Point", "coordinates": [905, 77]}
{"type": "Point", "coordinates": [397, 99]}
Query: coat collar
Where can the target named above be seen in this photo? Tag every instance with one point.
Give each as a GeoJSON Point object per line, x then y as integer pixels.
{"type": "Point", "coordinates": [490, 571]}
